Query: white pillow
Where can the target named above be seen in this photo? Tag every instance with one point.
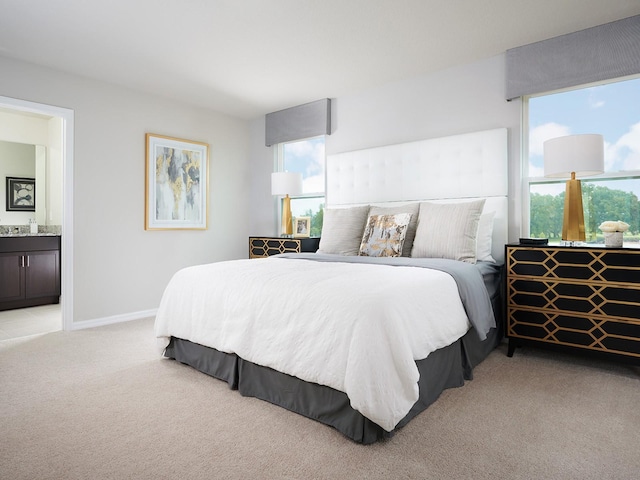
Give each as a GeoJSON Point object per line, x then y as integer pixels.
{"type": "Point", "coordinates": [448, 230]}
{"type": "Point", "coordinates": [342, 230]}
{"type": "Point", "coordinates": [483, 240]}
{"type": "Point", "coordinates": [384, 235]}
{"type": "Point", "coordinates": [413, 209]}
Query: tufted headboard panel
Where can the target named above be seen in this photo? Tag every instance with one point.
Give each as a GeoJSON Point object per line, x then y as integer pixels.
{"type": "Point", "coordinates": [458, 167]}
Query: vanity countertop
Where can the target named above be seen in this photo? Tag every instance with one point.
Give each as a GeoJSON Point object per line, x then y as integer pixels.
{"type": "Point", "coordinates": [10, 235]}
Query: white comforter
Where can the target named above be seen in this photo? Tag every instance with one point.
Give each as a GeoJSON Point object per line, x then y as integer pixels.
{"type": "Point", "coordinates": [357, 328]}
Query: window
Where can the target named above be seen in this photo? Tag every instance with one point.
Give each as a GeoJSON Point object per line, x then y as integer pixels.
{"type": "Point", "coordinates": [611, 109]}
{"type": "Point", "coordinates": [307, 157]}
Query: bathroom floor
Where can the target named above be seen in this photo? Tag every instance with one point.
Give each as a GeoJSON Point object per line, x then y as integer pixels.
{"type": "Point", "coordinates": [24, 322]}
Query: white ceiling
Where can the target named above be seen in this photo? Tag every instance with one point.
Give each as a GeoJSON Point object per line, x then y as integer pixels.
{"type": "Point", "coordinates": [250, 57]}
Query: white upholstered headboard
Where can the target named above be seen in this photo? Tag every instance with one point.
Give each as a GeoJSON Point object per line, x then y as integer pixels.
{"type": "Point", "coordinates": [467, 166]}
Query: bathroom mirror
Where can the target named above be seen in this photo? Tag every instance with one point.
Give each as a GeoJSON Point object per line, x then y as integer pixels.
{"type": "Point", "coordinates": [31, 146]}
{"type": "Point", "coordinates": [23, 160]}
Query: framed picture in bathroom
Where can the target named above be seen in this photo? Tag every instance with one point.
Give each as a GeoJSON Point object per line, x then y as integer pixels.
{"type": "Point", "coordinates": [21, 194]}
{"type": "Point", "coordinates": [177, 183]}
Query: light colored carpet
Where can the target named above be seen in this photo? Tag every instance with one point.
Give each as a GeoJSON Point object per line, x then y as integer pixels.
{"type": "Point", "coordinates": [102, 404]}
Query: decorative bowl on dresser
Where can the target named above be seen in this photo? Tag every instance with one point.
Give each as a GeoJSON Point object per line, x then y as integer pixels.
{"type": "Point", "coordinates": [585, 298]}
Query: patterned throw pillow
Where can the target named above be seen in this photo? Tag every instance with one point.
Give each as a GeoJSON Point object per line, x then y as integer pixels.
{"type": "Point", "coordinates": [412, 208]}
{"type": "Point", "coordinates": [384, 235]}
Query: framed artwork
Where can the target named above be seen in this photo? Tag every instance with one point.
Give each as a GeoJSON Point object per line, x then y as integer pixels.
{"type": "Point", "coordinates": [176, 184]}
{"type": "Point", "coordinates": [21, 194]}
{"type": "Point", "coordinates": [301, 226]}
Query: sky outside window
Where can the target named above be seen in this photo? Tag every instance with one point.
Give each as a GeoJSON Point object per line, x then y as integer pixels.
{"type": "Point", "coordinates": [306, 157]}
{"type": "Point", "coordinates": [612, 110]}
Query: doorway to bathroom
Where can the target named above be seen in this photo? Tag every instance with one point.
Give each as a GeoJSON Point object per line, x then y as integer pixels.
{"type": "Point", "coordinates": [33, 320]}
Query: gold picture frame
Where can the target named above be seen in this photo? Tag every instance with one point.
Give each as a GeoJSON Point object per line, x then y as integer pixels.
{"type": "Point", "coordinates": [301, 226]}
{"type": "Point", "coordinates": [176, 184]}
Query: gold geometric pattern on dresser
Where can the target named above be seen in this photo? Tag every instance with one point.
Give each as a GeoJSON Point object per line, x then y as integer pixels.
{"type": "Point", "coordinates": [581, 297]}
{"type": "Point", "coordinates": [264, 247]}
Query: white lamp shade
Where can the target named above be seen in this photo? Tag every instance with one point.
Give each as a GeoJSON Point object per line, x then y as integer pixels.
{"type": "Point", "coordinates": [286, 183]}
{"type": "Point", "coordinates": [582, 154]}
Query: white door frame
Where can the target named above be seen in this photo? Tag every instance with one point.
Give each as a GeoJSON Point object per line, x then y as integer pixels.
{"type": "Point", "coordinates": [66, 115]}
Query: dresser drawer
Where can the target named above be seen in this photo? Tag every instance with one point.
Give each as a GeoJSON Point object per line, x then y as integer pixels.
{"type": "Point", "coordinates": [600, 299]}
{"type": "Point", "coordinates": [611, 336]}
{"type": "Point", "coordinates": [579, 264]}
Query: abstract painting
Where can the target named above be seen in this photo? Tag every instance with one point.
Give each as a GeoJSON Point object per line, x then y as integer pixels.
{"type": "Point", "coordinates": [177, 183]}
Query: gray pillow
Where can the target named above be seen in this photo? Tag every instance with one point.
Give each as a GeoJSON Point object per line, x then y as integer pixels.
{"type": "Point", "coordinates": [413, 209]}
{"type": "Point", "coordinates": [448, 230]}
{"type": "Point", "coordinates": [342, 230]}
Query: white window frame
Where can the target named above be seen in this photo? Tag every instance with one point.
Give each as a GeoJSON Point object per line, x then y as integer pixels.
{"type": "Point", "coordinates": [528, 181]}
{"type": "Point", "coordinates": [278, 166]}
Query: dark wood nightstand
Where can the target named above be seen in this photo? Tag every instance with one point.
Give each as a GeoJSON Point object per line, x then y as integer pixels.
{"type": "Point", "coordinates": [260, 247]}
{"type": "Point", "coordinates": [585, 298]}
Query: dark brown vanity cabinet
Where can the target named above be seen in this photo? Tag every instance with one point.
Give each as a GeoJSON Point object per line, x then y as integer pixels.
{"type": "Point", "coordinates": [29, 271]}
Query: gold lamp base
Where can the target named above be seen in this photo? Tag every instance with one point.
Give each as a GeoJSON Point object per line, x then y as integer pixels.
{"type": "Point", "coordinates": [573, 222]}
{"type": "Point", "coordinates": [287, 223]}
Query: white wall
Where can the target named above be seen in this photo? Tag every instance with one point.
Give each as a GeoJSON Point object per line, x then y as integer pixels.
{"type": "Point", "coordinates": [119, 268]}
{"type": "Point", "coordinates": [458, 100]}
{"type": "Point", "coordinates": [20, 128]}
{"type": "Point", "coordinates": [263, 206]}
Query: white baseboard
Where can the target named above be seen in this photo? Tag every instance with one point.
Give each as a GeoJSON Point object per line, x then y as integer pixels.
{"type": "Point", "coordinates": [125, 317]}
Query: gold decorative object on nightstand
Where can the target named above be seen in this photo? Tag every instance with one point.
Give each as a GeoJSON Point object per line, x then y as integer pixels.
{"type": "Point", "coordinates": [573, 156]}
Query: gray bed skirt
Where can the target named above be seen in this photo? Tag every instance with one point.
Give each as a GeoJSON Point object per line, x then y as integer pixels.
{"type": "Point", "coordinates": [445, 368]}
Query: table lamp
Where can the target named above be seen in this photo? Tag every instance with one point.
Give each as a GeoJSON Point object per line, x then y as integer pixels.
{"type": "Point", "coordinates": [286, 183]}
{"type": "Point", "coordinates": [572, 156]}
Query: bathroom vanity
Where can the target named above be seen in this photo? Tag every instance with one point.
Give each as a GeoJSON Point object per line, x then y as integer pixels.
{"type": "Point", "coordinates": [29, 270]}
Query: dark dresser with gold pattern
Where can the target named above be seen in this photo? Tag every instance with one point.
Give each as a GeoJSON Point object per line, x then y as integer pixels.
{"type": "Point", "coordinates": [584, 298]}
{"type": "Point", "coordinates": [260, 247]}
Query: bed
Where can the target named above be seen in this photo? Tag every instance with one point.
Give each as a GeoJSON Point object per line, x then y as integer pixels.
{"type": "Point", "coordinates": [360, 341]}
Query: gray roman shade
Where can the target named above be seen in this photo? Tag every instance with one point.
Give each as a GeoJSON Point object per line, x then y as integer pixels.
{"type": "Point", "coordinates": [295, 123]}
{"type": "Point", "coordinates": [595, 54]}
